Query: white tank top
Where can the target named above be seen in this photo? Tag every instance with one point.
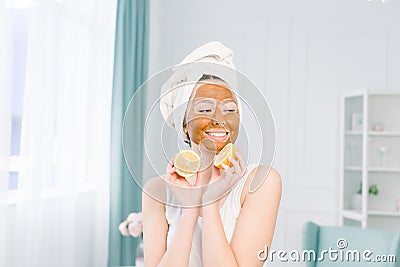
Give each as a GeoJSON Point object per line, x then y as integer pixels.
{"type": "Point", "coordinates": [229, 212]}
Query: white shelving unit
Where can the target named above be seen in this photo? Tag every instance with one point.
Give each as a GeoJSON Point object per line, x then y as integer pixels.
{"type": "Point", "coordinates": [370, 154]}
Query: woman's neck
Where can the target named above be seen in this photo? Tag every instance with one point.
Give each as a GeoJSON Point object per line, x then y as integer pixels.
{"type": "Point", "coordinates": [207, 160]}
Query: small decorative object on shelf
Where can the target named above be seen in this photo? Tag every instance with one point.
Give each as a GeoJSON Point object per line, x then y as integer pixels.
{"type": "Point", "coordinates": [355, 203]}
{"type": "Point", "coordinates": [377, 127]}
{"type": "Point", "coordinates": [373, 190]}
{"type": "Point", "coordinates": [356, 198]}
{"type": "Point", "coordinates": [383, 150]}
{"type": "Point", "coordinates": [133, 226]}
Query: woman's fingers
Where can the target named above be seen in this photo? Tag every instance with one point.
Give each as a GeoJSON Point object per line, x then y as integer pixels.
{"type": "Point", "coordinates": [199, 179]}
{"type": "Point", "coordinates": [170, 166]}
{"type": "Point", "coordinates": [227, 170]}
{"type": "Point", "coordinates": [236, 165]}
{"type": "Point", "coordinates": [171, 170]}
{"type": "Point", "coordinates": [240, 159]}
{"type": "Point", "coordinates": [224, 166]}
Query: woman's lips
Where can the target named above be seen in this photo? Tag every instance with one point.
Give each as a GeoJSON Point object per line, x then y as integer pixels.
{"type": "Point", "coordinates": [218, 135]}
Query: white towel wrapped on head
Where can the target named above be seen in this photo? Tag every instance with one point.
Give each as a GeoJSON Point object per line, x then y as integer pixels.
{"type": "Point", "coordinates": [213, 59]}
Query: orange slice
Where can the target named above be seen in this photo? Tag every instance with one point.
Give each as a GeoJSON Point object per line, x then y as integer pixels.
{"type": "Point", "coordinates": [185, 174]}
{"type": "Point", "coordinates": [222, 157]}
{"type": "Point", "coordinates": [187, 163]}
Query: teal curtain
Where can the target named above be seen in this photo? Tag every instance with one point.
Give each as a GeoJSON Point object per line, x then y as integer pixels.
{"type": "Point", "coordinates": [130, 70]}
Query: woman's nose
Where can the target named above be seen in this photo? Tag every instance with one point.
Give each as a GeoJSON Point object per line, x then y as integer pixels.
{"type": "Point", "coordinates": [218, 119]}
{"type": "Point", "coordinates": [217, 122]}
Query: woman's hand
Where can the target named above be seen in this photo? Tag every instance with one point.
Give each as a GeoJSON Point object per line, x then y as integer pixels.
{"type": "Point", "coordinates": [174, 178]}
{"type": "Point", "coordinates": [223, 180]}
{"type": "Point", "coordinates": [192, 196]}
{"type": "Point", "coordinates": [187, 196]}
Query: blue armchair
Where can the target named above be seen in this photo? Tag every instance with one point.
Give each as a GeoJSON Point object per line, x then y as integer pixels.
{"type": "Point", "coordinates": [344, 245]}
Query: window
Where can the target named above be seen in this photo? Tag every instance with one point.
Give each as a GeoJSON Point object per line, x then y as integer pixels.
{"type": "Point", "coordinates": [57, 99]}
{"type": "Point", "coordinates": [19, 45]}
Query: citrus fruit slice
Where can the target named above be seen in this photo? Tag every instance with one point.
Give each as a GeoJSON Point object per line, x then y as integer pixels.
{"type": "Point", "coordinates": [223, 156]}
{"type": "Point", "coordinates": [185, 174]}
{"type": "Point", "coordinates": [187, 163]}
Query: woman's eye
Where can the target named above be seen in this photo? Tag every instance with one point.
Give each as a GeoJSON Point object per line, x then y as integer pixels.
{"type": "Point", "coordinates": [229, 107]}
{"type": "Point", "coordinates": [205, 110]}
{"type": "Point", "coordinates": [204, 107]}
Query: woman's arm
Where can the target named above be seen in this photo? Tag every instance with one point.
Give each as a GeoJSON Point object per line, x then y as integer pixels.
{"type": "Point", "coordinates": [254, 228]}
{"type": "Point", "coordinates": [155, 226]}
{"type": "Point", "coordinates": [155, 229]}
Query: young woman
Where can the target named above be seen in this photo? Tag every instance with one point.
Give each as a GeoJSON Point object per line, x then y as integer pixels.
{"type": "Point", "coordinates": [232, 229]}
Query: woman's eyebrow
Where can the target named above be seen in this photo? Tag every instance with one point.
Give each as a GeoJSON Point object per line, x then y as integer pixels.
{"type": "Point", "coordinates": [209, 100]}
{"type": "Point", "coordinates": [213, 100]}
{"type": "Point", "coordinates": [229, 100]}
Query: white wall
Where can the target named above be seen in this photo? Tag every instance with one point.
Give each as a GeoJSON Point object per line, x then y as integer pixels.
{"type": "Point", "coordinates": [302, 55]}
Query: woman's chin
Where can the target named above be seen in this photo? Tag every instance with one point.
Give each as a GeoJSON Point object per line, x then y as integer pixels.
{"type": "Point", "coordinates": [220, 146]}
{"type": "Point", "coordinates": [212, 145]}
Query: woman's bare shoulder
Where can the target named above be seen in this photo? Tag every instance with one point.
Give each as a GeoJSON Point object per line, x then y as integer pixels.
{"type": "Point", "coordinates": [258, 176]}
{"type": "Point", "coordinates": [155, 188]}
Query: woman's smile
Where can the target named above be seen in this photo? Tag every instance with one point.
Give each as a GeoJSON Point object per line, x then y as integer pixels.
{"type": "Point", "coordinates": [218, 135]}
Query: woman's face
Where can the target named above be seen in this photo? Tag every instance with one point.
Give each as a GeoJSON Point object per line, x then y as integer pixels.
{"type": "Point", "coordinates": [212, 114]}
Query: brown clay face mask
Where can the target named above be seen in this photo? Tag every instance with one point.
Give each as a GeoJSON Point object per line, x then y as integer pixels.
{"type": "Point", "coordinates": [212, 114]}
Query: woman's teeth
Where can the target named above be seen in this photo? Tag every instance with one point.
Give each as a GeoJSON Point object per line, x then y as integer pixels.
{"type": "Point", "coordinates": [217, 134]}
